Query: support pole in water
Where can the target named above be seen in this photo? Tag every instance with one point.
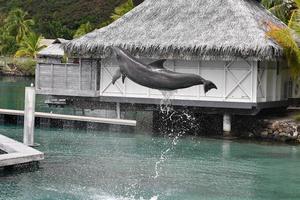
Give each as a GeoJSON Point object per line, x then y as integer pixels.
{"type": "Point", "coordinates": [227, 124]}
{"type": "Point", "coordinates": [29, 116]}
{"type": "Point", "coordinates": [118, 110]}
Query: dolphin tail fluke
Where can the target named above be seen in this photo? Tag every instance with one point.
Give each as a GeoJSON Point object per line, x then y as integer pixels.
{"type": "Point", "coordinates": [117, 75]}
{"type": "Point", "coordinates": [208, 85]}
{"type": "Point", "coordinates": [123, 78]}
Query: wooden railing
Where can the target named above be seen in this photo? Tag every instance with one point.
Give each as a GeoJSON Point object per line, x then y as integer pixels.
{"type": "Point", "coordinates": [67, 78]}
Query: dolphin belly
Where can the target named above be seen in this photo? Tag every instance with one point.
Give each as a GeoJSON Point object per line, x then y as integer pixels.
{"type": "Point", "coordinates": [154, 75]}
{"type": "Point", "coordinates": [164, 80]}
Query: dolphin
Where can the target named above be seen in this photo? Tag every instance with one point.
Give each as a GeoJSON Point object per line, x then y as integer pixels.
{"type": "Point", "coordinates": [154, 75]}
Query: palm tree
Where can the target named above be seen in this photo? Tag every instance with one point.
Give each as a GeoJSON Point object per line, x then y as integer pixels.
{"type": "Point", "coordinates": [280, 8]}
{"type": "Point", "coordinates": [30, 46]}
{"type": "Point", "coordinates": [8, 43]}
{"type": "Point", "coordinates": [122, 10]}
{"type": "Point", "coordinates": [83, 29]}
{"type": "Point", "coordinates": [287, 37]}
{"type": "Point", "coordinates": [17, 24]}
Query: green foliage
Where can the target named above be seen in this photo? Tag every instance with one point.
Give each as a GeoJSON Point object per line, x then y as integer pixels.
{"type": "Point", "coordinates": [105, 23]}
{"type": "Point", "coordinates": [55, 29]}
{"type": "Point", "coordinates": [8, 43]}
{"type": "Point", "coordinates": [283, 9]}
{"type": "Point", "coordinates": [57, 18]}
{"type": "Point", "coordinates": [83, 29]}
{"type": "Point", "coordinates": [287, 37]}
{"type": "Point", "coordinates": [30, 46]}
{"type": "Point", "coordinates": [122, 10]}
{"type": "Point", "coordinates": [271, 3]}
{"type": "Point", "coordinates": [26, 67]}
{"type": "Point", "coordinates": [17, 24]}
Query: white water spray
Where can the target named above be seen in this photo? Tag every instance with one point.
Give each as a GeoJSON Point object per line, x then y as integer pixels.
{"type": "Point", "coordinates": [166, 103]}
{"type": "Point", "coordinates": [170, 115]}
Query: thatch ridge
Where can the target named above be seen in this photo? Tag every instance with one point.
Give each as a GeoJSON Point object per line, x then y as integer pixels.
{"type": "Point", "coordinates": [54, 49]}
{"type": "Point", "coordinates": [189, 29]}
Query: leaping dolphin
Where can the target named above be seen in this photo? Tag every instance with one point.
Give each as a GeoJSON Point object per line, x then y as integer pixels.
{"type": "Point", "coordinates": [154, 75]}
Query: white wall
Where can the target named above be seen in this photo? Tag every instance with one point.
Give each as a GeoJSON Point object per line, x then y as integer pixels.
{"type": "Point", "coordinates": [273, 80]}
{"type": "Point", "coordinates": [236, 81]}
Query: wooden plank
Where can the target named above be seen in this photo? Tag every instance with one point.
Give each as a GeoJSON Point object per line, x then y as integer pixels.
{"type": "Point", "coordinates": [73, 118]}
{"type": "Point", "coordinates": [66, 75]}
{"type": "Point", "coordinates": [62, 64]}
{"type": "Point", "coordinates": [52, 75]}
{"type": "Point", "coordinates": [37, 74]}
{"type": "Point", "coordinates": [17, 153]}
{"type": "Point", "coordinates": [68, 92]}
{"type": "Point", "coordinates": [90, 74]}
{"type": "Point", "coordinates": [80, 73]}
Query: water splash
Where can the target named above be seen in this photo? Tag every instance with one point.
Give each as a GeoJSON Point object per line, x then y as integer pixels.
{"type": "Point", "coordinates": [174, 125]}
{"type": "Point", "coordinates": [166, 103]}
{"type": "Point", "coordinates": [164, 156]}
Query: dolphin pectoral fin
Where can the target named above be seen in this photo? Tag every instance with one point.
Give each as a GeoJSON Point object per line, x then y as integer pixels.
{"type": "Point", "coordinates": [123, 78]}
{"type": "Point", "coordinates": [208, 85]}
{"type": "Point", "coordinates": [116, 76]}
{"type": "Point", "coordinates": [158, 64]}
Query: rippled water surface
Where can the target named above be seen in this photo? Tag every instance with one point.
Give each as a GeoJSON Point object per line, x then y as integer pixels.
{"type": "Point", "coordinates": [84, 165]}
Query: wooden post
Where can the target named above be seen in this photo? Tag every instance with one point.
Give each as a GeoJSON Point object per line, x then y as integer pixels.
{"type": "Point", "coordinates": [66, 74]}
{"type": "Point", "coordinates": [29, 116]}
{"type": "Point", "coordinates": [52, 76]}
{"type": "Point", "coordinates": [118, 109]}
{"type": "Point", "coordinates": [227, 124]}
{"type": "Point", "coordinates": [37, 76]}
{"type": "Point", "coordinates": [80, 74]}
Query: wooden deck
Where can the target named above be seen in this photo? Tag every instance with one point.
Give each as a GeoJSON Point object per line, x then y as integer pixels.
{"type": "Point", "coordinates": [17, 153]}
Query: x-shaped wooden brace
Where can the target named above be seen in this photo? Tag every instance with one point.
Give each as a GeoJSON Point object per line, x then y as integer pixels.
{"type": "Point", "coordinates": [116, 84]}
{"type": "Point", "coordinates": [259, 81]}
{"type": "Point", "coordinates": [237, 81]}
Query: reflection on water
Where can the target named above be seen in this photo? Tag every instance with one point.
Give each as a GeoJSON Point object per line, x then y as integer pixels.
{"type": "Point", "coordinates": [12, 91]}
{"type": "Point", "coordinates": [105, 165]}
{"type": "Point", "coordinates": [89, 165]}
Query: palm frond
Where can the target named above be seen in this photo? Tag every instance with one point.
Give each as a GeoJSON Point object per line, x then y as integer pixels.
{"type": "Point", "coordinates": [284, 37]}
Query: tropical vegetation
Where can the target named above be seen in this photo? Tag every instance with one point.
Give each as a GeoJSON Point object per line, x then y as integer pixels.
{"type": "Point", "coordinates": [287, 36]}
{"type": "Point", "coordinates": [30, 46]}
{"type": "Point", "coordinates": [122, 10]}
{"type": "Point", "coordinates": [23, 23]}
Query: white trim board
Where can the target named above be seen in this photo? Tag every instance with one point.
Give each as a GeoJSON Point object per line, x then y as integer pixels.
{"type": "Point", "coordinates": [17, 153]}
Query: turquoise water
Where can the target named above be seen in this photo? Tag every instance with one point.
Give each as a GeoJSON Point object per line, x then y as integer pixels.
{"type": "Point", "coordinates": [82, 165]}
{"type": "Point", "coordinates": [92, 165]}
{"type": "Point", "coordinates": [12, 92]}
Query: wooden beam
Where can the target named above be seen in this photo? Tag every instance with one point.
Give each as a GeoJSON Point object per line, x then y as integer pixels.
{"type": "Point", "coordinates": [80, 73]}
{"type": "Point", "coordinates": [66, 74]}
{"type": "Point", "coordinates": [17, 153]}
{"type": "Point", "coordinates": [37, 75]}
{"type": "Point", "coordinates": [52, 76]}
{"type": "Point", "coordinates": [73, 118]}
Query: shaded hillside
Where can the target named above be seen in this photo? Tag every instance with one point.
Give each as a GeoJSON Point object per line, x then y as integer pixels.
{"type": "Point", "coordinates": [57, 18]}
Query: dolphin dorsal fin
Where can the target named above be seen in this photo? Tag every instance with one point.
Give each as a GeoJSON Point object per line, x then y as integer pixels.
{"type": "Point", "coordinates": [158, 64]}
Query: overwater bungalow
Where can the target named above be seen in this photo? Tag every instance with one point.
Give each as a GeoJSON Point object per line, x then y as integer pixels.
{"type": "Point", "coordinates": [53, 53]}
{"type": "Point", "coordinates": [222, 41]}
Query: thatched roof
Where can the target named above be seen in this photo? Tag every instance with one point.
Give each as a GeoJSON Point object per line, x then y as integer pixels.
{"type": "Point", "coordinates": [54, 49]}
{"type": "Point", "coordinates": [186, 29]}
{"type": "Point", "coordinates": [46, 42]}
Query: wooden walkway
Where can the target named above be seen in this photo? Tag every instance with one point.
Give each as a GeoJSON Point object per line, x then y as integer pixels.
{"type": "Point", "coordinates": [72, 117]}
{"type": "Point", "coordinates": [17, 153]}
